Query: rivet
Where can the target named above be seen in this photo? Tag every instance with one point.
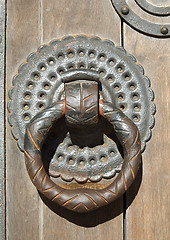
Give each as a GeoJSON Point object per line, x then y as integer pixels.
{"type": "Point", "coordinates": [164, 30]}
{"type": "Point", "coordinates": [125, 10]}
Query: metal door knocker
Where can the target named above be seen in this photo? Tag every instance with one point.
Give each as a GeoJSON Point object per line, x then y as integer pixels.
{"type": "Point", "coordinates": [68, 101]}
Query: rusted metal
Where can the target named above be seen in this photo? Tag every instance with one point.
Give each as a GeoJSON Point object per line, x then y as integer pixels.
{"type": "Point", "coordinates": [39, 84]}
{"type": "Point", "coordinates": [139, 24]}
{"type": "Point", "coordinates": [81, 98]}
{"type": "Point", "coordinates": [94, 96]}
{"type": "Point", "coordinates": [83, 199]}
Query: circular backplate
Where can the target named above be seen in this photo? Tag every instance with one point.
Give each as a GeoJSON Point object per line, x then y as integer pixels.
{"type": "Point", "coordinates": [38, 84]}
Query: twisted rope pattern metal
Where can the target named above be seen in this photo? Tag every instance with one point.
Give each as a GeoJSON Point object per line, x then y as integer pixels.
{"type": "Point", "coordinates": [84, 199]}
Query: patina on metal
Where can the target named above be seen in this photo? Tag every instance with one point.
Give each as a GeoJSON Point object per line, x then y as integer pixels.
{"type": "Point", "coordinates": [81, 98]}
{"type": "Point", "coordinates": [142, 25]}
{"type": "Point", "coordinates": [83, 199]}
{"type": "Point", "coordinates": [122, 83]}
{"type": "Point", "coordinates": [39, 84]}
{"type": "Point", "coordinates": [76, 102]}
{"type": "Point", "coordinates": [152, 9]}
{"type": "Point", "coordinates": [81, 107]}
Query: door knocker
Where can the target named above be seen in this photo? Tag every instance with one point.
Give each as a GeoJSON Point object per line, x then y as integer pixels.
{"type": "Point", "coordinates": [72, 100]}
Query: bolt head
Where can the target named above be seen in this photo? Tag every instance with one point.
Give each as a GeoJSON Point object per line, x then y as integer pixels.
{"type": "Point", "coordinates": [164, 30]}
{"type": "Point", "coordinates": [125, 10]}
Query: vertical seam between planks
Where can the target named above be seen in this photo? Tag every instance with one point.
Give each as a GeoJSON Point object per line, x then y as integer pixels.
{"type": "Point", "coordinates": [41, 219]}
{"type": "Point", "coordinates": [124, 216]}
{"type": "Point", "coordinates": [40, 22]}
{"type": "Point", "coordinates": [40, 36]}
{"type": "Point", "coordinates": [122, 33]}
{"type": "Point", "coordinates": [2, 120]}
{"type": "Point", "coordinates": [5, 197]}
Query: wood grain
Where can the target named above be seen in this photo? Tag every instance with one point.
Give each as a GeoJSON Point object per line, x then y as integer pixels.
{"type": "Point", "coordinates": [148, 216]}
{"type": "Point", "coordinates": [61, 18]}
{"type": "Point", "coordinates": [2, 120]}
{"type": "Point", "coordinates": [22, 197]}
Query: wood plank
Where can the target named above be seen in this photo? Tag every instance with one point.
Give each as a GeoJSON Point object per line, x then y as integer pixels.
{"type": "Point", "coordinates": [2, 120]}
{"type": "Point", "coordinates": [22, 197]}
{"type": "Point", "coordinates": [148, 216]}
{"type": "Point", "coordinates": [62, 18]}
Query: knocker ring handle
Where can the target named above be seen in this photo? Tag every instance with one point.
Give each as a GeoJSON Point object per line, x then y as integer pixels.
{"type": "Point", "coordinates": [82, 199]}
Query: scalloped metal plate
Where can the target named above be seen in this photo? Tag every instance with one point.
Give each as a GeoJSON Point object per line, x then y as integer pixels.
{"type": "Point", "coordinates": [38, 84]}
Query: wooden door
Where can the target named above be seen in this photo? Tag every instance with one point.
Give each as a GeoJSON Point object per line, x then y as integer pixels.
{"type": "Point", "coordinates": [143, 212]}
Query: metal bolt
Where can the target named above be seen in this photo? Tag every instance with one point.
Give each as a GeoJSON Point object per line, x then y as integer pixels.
{"type": "Point", "coordinates": [164, 30]}
{"type": "Point", "coordinates": [125, 10]}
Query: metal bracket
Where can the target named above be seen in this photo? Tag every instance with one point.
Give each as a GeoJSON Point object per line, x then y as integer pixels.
{"type": "Point", "coordinates": [139, 24]}
{"type": "Point", "coordinates": [154, 10]}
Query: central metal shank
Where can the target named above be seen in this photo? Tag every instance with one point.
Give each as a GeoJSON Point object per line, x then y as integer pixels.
{"type": "Point", "coordinates": [81, 98]}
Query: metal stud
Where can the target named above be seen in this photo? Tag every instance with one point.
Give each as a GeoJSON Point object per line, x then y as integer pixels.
{"type": "Point", "coordinates": [164, 30]}
{"type": "Point", "coordinates": [125, 10]}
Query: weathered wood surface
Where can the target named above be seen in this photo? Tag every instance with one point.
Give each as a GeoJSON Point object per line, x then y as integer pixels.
{"type": "Point", "coordinates": [2, 120]}
{"type": "Point", "coordinates": [22, 197]}
{"type": "Point", "coordinates": [34, 22]}
{"type": "Point", "coordinates": [148, 217]}
{"type": "Point", "coordinates": [29, 25]}
{"type": "Point", "coordinates": [62, 18]}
